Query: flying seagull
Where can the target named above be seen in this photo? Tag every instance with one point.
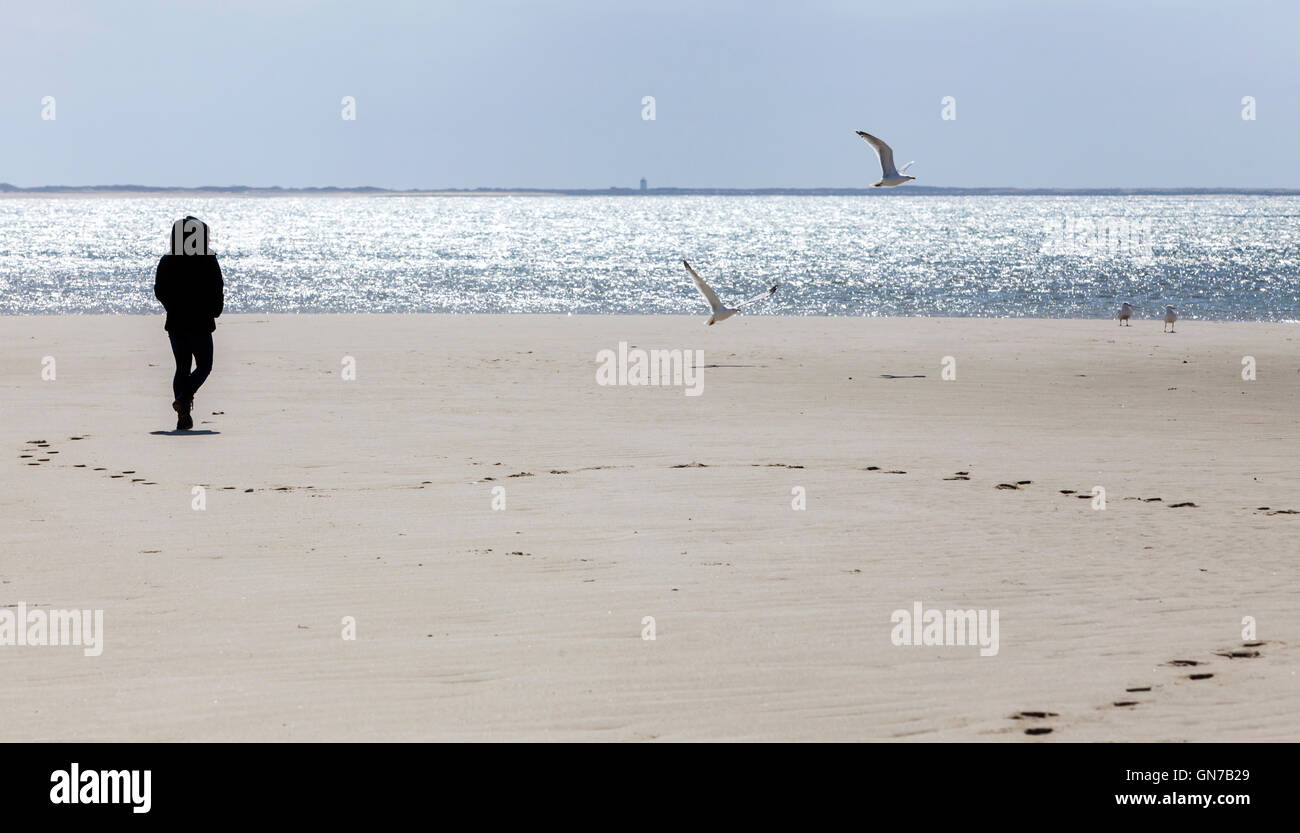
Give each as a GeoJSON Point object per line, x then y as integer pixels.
{"type": "Point", "coordinates": [889, 174]}
{"type": "Point", "coordinates": [721, 312]}
{"type": "Point", "coordinates": [1125, 313]}
{"type": "Point", "coordinates": [1170, 318]}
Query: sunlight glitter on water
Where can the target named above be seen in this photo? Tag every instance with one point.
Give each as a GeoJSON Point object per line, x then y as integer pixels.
{"type": "Point", "coordinates": [1214, 257]}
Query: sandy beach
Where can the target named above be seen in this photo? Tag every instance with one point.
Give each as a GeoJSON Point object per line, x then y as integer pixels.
{"type": "Point", "coordinates": [326, 497]}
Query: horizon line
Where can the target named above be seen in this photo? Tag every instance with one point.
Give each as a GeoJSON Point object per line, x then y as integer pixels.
{"type": "Point", "coordinates": [933, 190]}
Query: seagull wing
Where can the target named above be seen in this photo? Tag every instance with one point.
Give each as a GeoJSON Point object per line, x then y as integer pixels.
{"type": "Point", "coordinates": [768, 294]}
{"type": "Point", "coordinates": [903, 169]}
{"type": "Point", "coordinates": [714, 304]}
{"type": "Point", "coordinates": [885, 152]}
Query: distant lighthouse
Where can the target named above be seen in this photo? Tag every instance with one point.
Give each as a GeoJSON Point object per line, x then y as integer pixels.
{"type": "Point", "coordinates": [643, 183]}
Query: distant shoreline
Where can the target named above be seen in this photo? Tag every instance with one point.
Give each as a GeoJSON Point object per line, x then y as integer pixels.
{"type": "Point", "coordinates": [1149, 319]}
{"type": "Point", "coordinates": [7, 190]}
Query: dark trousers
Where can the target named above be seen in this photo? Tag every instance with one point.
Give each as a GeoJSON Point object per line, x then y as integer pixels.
{"type": "Point", "coordinates": [187, 346]}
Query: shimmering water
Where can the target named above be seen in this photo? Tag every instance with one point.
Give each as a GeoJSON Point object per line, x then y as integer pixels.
{"type": "Point", "coordinates": [1224, 258]}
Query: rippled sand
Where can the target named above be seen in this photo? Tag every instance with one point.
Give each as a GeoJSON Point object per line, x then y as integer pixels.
{"type": "Point", "coordinates": [373, 498]}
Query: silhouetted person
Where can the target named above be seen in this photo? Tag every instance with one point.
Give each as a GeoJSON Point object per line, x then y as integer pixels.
{"type": "Point", "coordinates": [189, 285]}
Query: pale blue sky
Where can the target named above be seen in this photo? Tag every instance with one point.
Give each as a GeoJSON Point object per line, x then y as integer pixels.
{"type": "Point", "coordinates": [537, 94]}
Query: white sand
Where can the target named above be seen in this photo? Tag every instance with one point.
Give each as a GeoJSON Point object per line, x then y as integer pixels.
{"type": "Point", "coordinates": [771, 623]}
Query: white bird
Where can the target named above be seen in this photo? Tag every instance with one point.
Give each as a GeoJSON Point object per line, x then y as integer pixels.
{"type": "Point", "coordinates": [889, 174]}
{"type": "Point", "coordinates": [1170, 318]}
{"type": "Point", "coordinates": [1125, 313]}
{"type": "Point", "coordinates": [720, 311]}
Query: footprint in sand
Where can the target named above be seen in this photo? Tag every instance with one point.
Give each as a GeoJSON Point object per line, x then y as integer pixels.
{"type": "Point", "coordinates": [45, 445]}
{"type": "Point", "coordinates": [1035, 715]}
{"type": "Point", "coordinates": [34, 446]}
{"type": "Point", "coordinates": [1177, 663]}
{"type": "Point", "coordinates": [1246, 651]}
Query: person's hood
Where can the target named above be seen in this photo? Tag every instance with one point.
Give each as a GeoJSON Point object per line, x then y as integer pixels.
{"type": "Point", "coordinates": [190, 237]}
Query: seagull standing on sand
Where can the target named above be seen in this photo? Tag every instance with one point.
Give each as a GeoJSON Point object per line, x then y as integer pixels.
{"type": "Point", "coordinates": [1125, 313]}
{"type": "Point", "coordinates": [721, 312]}
{"type": "Point", "coordinates": [889, 174]}
{"type": "Point", "coordinates": [1170, 318]}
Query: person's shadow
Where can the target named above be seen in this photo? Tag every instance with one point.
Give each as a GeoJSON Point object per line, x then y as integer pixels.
{"type": "Point", "coordinates": [200, 432]}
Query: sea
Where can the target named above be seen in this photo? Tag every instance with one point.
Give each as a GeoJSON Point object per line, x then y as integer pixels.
{"type": "Point", "coordinates": [1213, 257]}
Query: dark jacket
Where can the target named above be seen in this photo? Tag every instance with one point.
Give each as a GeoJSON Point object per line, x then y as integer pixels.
{"type": "Point", "coordinates": [190, 285]}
